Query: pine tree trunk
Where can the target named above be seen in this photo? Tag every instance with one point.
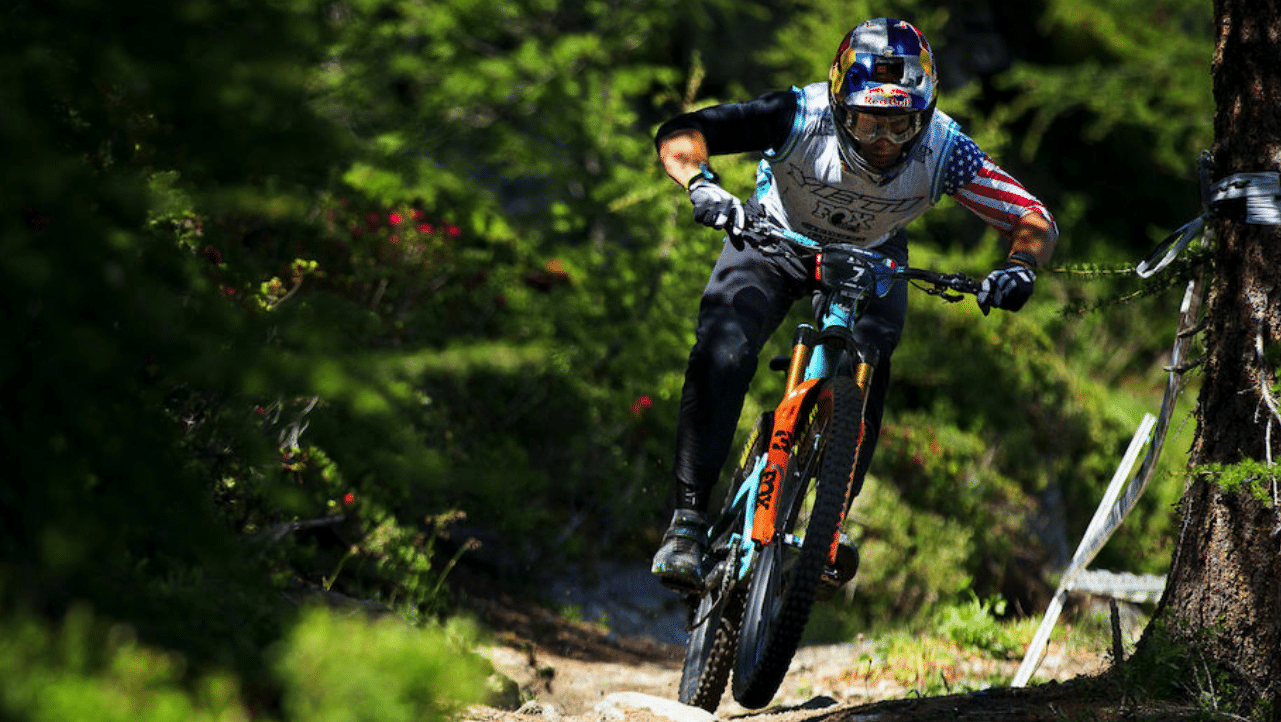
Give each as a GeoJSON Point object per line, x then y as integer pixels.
{"type": "Point", "coordinates": [1223, 601]}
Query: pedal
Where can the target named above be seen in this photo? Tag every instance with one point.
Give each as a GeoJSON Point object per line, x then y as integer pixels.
{"type": "Point", "coordinates": [845, 569]}
{"type": "Point", "coordinates": [681, 585]}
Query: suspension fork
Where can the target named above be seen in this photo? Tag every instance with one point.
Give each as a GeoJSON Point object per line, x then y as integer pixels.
{"type": "Point", "coordinates": [781, 445]}
{"type": "Point", "coordinates": [815, 356]}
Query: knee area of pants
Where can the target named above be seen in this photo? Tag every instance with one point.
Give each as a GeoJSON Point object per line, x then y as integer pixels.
{"type": "Point", "coordinates": [732, 361]}
{"type": "Point", "coordinates": [723, 359]}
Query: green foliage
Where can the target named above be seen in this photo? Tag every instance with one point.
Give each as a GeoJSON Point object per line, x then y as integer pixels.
{"type": "Point", "coordinates": [331, 667]}
{"type": "Point", "coordinates": [1128, 81]}
{"type": "Point", "coordinates": [1249, 476]}
{"type": "Point", "coordinates": [87, 670]}
{"type": "Point", "coordinates": [911, 559]}
{"type": "Point", "coordinates": [1129, 51]}
{"type": "Point", "coordinates": [354, 669]}
{"type": "Point", "coordinates": [932, 664]}
{"type": "Point", "coordinates": [975, 625]}
{"type": "Point", "coordinates": [1170, 666]}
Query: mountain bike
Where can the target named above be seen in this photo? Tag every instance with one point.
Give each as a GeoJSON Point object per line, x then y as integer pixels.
{"type": "Point", "coordinates": [776, 543]}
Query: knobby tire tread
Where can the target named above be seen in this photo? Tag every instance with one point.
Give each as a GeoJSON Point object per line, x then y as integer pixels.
{"type": "Point", "coordinates": [758, 673]}
{"type": "Point", "coordinates": [704, 677]}
{"type": "Point", "coordinates": [714, 675]}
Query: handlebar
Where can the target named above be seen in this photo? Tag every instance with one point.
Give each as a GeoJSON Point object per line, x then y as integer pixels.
{"type": "Point", "coordinates": [766, 236]}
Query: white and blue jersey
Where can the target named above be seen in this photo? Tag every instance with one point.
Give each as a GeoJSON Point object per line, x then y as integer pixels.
{"type": "Point", "coordinates": [803, 184]}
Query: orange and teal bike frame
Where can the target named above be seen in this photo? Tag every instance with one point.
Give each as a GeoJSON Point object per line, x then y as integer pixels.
{"type": "Point", "coordinates": [815, 357]}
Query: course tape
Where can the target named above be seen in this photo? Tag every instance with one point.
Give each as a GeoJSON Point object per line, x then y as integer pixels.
{"type": "Point", "coordinates": [1104, 524]}
{"type": "Point", "coordinates": [1095, 536]}
{"type": "Point", "coordinates": [1250, 197]}
{"type": "Point", "coordinates": [1127, 587]}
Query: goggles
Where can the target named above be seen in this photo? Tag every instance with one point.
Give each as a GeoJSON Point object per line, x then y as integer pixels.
{"type": "Point", "coordinates": [897, 128]}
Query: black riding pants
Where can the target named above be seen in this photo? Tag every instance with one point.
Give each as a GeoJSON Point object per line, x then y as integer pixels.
{"type": "Point", "coordinates": [747, 297]}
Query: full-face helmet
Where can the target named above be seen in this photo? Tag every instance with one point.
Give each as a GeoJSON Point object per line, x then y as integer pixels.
{"type": "Point", "coordinates": [883, 84]}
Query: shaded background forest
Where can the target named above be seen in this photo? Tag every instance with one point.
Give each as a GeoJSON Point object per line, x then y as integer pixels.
{"type": "Point", "coordinates": [329, 295]}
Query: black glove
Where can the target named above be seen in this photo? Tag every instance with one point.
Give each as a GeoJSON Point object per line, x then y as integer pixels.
{"type": "Point", "coordinates": [718, 208]}
{"type": "Point", "coordinates": [1008, 287]}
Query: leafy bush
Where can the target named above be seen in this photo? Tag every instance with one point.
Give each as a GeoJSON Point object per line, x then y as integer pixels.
{"type": "Point", "coordinates": [975, 625]}
{"type": "Point", "coordinates": [88, 670]}
{"type": "Point", "coordinates": [330, 667]}
{"type": "Point", "coordinates": [911, 559]}
{"type": "Point", "coordinates": [353, 669]}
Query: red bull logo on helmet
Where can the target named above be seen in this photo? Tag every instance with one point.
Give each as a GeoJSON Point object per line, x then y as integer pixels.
{"type": "Point", "coordinates": [887, 96]}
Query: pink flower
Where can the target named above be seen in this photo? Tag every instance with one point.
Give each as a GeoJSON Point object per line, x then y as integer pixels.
{"type": "Point", "coordinates": [453, 231]}
{"type": "Point", "coordinates": [395, 218]}
{"type": "Point", "coordinates": [348, 499]}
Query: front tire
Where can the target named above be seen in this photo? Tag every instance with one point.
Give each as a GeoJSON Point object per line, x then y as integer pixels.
{"type": "Point", "coordinates": [812, 506]}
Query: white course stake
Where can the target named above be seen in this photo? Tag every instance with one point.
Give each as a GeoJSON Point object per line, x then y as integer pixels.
{"type": "Point", "coordinates": [1095, 535]}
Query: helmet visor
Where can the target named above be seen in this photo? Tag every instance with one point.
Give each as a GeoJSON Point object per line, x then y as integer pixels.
{"type": "Point", "coordinates": [867, 127]}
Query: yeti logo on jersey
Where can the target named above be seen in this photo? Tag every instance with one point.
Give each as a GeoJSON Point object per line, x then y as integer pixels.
{"type": "Point", "coordinates": [846, 210]}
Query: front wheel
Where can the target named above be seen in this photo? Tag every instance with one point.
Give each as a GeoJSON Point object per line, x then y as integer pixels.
{"type": "Point", "coordinates": [812, 506]}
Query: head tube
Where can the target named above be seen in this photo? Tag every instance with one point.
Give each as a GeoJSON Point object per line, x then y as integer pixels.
{"type": "Point", "coordinates": [860, 271]}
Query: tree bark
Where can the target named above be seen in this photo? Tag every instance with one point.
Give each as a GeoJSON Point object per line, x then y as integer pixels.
{"type": "Point", "coordinates": [1222, 605]}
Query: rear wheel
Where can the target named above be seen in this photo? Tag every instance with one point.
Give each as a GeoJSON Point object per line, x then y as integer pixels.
{"type": "Point", "coordinates": [713, 634]}
{"type": "Point", "coordinates": [709, 654]}
{"type": "Point", "coordinates": [812, 505]}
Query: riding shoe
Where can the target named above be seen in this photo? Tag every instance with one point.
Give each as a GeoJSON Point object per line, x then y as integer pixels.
{"type": "Point", "coordinates": [678, 564]}
{"type": "Point", "coordinates": [835, 577]}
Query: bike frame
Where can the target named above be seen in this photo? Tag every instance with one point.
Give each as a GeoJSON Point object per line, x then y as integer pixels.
{"type": "Point", "coordinates": [851, 277]}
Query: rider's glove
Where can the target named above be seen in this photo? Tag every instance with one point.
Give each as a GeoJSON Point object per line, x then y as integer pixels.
{"type": "Point", "coordinates": [716, 207]}
{"type": "Point", "coordinates": [1008, 287]}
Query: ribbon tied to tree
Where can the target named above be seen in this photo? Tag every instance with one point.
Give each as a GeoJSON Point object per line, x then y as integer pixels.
{"type": "Point", "coordinates": [1242, 197]}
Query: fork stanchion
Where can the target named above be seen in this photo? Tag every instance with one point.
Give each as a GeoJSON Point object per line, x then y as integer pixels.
{"type": "Point", "coordinates": [802, 349]}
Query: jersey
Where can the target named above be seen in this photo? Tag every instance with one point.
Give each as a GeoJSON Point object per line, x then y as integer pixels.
{"type": "Point", "coordinates": [803, 184]}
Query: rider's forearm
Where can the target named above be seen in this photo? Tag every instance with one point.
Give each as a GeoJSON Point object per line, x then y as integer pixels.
{"type": "Point", "coordinates": [1034, 234]}
{"type": "Point", "coordinates": [682, 153]}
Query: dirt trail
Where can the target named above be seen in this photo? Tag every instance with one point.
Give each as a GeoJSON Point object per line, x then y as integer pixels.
{"type": "Point", "coordinates": [577, 672]}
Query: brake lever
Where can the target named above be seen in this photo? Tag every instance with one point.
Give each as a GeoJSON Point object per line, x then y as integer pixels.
{"type": "Point", "coordinates": [946, 288]}
{"type": "Point", "coordinates": [943, 294]}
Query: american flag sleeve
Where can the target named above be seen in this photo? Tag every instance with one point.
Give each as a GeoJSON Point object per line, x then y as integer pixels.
{"type": "Point", "coordinates": [989, 192]}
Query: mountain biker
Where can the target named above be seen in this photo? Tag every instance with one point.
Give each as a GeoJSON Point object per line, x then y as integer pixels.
{"type": "Point", "coordinates": [850, 160]}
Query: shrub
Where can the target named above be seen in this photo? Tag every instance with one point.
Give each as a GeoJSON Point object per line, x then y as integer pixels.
{"type": "Point", "coordinates": [351, 669]}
